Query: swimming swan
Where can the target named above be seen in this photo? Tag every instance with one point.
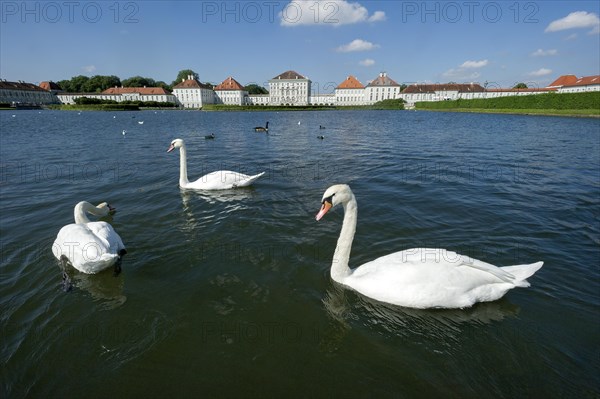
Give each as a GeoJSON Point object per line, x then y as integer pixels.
{"type": "Point", "coordinates": [219, 180]}
{"type": "Point", "coordinates": [419, 277]}
{"type": "Point", "coordinates": [89, 246]}
{"type": "Point", "coordinates": [262, 129]}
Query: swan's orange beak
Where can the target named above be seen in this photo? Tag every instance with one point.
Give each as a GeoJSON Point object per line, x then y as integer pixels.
{"type": "Point", "coordinates": [171, 148]}
{"type": "Point", "coordinates": [324, 209]}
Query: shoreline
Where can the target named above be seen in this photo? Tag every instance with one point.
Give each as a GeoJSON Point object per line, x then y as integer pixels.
{"type": "Point", "coordinates": [572, 113]}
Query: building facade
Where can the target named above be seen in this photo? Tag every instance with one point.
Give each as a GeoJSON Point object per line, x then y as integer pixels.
{"type": "Point", "coordinates": [24, 94]}
{"type": "Point", "coordinates": [121, 94]}
{"type": "Point", "coordinates": [289, 88]}
{"type": "Point", "coordinates": [586, 83]}
{"type": "Point", "coordinates": [382, 88]}
{"type": "Point", "coordinates": [350, 92]}
{"type": "Point", "coordinates": [230, 92]}
{"type": "Point", "coordinates": [190, 93]}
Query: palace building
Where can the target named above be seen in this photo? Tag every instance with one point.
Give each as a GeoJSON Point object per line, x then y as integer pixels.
{"type": "Point", "coordinates": [286, 89]}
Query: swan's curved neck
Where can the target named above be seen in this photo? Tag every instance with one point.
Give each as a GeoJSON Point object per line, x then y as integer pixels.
{"type": "Point", "coordinates": [183, 179]}
{"type": "Point", "coordinates": [341, 257]}
{"type": "Point", "coordinates": [85, 207]}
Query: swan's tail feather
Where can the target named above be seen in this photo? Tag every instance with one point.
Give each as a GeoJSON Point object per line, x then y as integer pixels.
{"type": "Point", "coordinates": [249, 180]}
{"type": "Point", "coordinates": [522, 272]}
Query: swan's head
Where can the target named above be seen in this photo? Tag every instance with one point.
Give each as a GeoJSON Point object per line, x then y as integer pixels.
{"type": "Point", "coordinates": [334, 195]}
{"type": "Point", "coordinates": [177, 143]}
{"type": "Point", "coordinates": [105, 209]}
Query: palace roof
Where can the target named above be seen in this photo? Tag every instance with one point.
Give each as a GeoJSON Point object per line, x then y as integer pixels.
{"type": "Point", "coordinates": [229, 84]}
{"type": "Point", "coordinates": [290, 75]}
{"type": "Point", "coordinates": [191, 83]}
{"type": "Point", "coordinates": [140, 90]}
{"type": "Point", "coordinates": [4, 84]}
{"type": "Point", "coordinates": [350, 83]}
{"type": "Point", "coordinates": [49, 85]}
{"type": "Point", "coordinates": [564, 80]}
{"type": "Point", "coordinates": [586, 80]}
{"type": "Point", "coordinates": [432, 88]}
{"type": "Point", "coordinates": [382, 80]}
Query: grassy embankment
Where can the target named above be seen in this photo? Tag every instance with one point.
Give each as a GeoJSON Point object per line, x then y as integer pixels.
{"type": "Point", "coordinates": [565, 104]}
{"type": "Point", "coordinates": [95, 107]}
{"type": "Point", "coordinates": [386, 104]}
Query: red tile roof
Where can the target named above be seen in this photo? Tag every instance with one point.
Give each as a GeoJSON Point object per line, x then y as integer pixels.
{"type": "Point", "coordinates": [528, 90]}
{"type": "Point", "coordinates": [49, 85]}
{"type": "Point", "coordinates": [586, 80]}
{"type": "Point", "coordinates": [432, 88]}
{"type": "Point", "coordinates": [229, 84]}
{"type": "Point", "coordinates": [191, 84]}
{"type": "Point", "coordinates": [289, 75]}
{"type": "Point", "coordinates": [140, 90]}
{"type": "Point", "coordinates": [19, 86]}
{"type": "Point", "coordinates": [350, 83]}
{"type": "Point", "coordinates": [564, 80]}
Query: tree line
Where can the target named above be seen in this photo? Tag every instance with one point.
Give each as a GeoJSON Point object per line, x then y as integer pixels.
{"type": "Point", "coordinates": [99, 83]}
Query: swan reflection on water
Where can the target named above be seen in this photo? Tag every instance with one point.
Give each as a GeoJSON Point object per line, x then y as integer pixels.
{"type": "Point", "coordinates": [231, 200]}
{"type": "Point", "coordinates": [218, 196]}
{"type": "Point", "coordinates": [444, 326]}
{"type": "Point", "coordinates": [104, 287]}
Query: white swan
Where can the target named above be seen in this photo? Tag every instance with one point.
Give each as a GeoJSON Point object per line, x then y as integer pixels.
{"type": "Point", "coordinates": [89, 246]}
{"type": "Point", "coordinates": [219, 180]}
{"type": "Point", "coordinates": [419, 277]}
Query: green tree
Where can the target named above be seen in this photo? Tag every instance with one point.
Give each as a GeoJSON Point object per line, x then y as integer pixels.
{"type": "Point", "coordinates": [75, 84]}
{"type": "Point", "coordinates": [255, 89]}
{"type": "Point", "coordinates": [520, 86]}
{"type": "Point", "coordinates": [139, 81]}
{"type": "Point", "coordinates": [100, 83]}
{"type": "Point", "coordinates": [165, 86]}
{"type": "Point", "coordinates": [183, 75]}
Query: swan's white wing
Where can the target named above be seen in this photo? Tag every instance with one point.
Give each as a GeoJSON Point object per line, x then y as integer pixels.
{"type": "Point", "coordinates": [107, 233]}
{"type": "Point", "coordinates": [87, 251]}
{"type": "Point", "coordinates": [429, 277]}
{"type": "Point", "coordinates": [222, 180]}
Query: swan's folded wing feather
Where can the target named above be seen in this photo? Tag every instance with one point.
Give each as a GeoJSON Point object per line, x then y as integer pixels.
{"type": "Point", "coordinates": [414, 261]}
{"type": "Point", "coordinates": [107, 234]}
{"type": "Point", "coordinates": [222, 180]}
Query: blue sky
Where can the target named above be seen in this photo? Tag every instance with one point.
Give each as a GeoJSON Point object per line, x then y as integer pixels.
{"type": "Point", "coordinates": [498, 42]}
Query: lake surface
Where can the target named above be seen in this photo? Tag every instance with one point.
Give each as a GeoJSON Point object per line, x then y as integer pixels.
{"type": "Point", "coordinates": [228, 294]}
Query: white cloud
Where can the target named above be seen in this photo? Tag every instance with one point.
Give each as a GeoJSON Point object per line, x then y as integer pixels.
{"type": "Point", "coordinates": [357, 45]}
{"type": "Point", "coordinates": [541, 72]}
{"type": "Point", "coordinates": [89, 68]}
{"type": "Point", "coordinates": [465, 71]}
{"type": "Point", "coordinates": [367, 62]}
{"type": "Point", "coordinates": [377, 16]}
{"type": "Point", "coordinates": [572, 36]}
{"type": "Point", "coordinates": [577, 19]}
{"type": "Point", "coordinates": [326, 12]}
{"type": "Point", "coordinates": [474, 64]}
{"type": "Point", "coordinates": [543, 53]}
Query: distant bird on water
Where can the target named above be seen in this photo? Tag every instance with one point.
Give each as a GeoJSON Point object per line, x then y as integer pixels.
{"type": "Point", "coordinates": [321, 127]}
{"type": "Point", "coordinates": [210, 136]}
{"type": "Point", "coordinates": [124, 132]}
{"type": "Point", "coordinates": [321, 137]}
{"type": "Point", "coordinates": [262, 129]}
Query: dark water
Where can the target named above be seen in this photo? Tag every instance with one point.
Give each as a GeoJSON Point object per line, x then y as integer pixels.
{"type": "Point", "coordinates": [228, 294]}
